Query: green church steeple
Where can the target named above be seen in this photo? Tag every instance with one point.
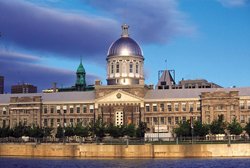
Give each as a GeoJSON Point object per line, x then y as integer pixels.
{"type": "Point", "coordinates": [80, 78]}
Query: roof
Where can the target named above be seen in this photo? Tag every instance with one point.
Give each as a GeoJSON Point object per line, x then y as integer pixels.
{"type": "Point", "coordinates": [54, 97]}
{"type": "Point", "coordinates": [189, 93]}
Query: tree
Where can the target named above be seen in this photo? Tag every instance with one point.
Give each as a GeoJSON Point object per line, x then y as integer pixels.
{"type": "Point", "coordinates": [218, 126]}
{"type": "Point", "coordinates": [114, 131]}
{"type": "Point", "coordinates": [81, 131]}
{"type": "Point", "coordinates": [99, 128]}
{"type": "Point", "coordinates": [130, 130]}
{"type": "Point", "coordinates": [59, 132]}
{"type": "Point", "coordinates": [69, 131]}
{"type": "Point", "coordinates": [247, 128]}
{"type": "Point", "coordinates": [200, 129]}
{"type": "Point", "coordinates": [235, 127]}
{"type": "Point", "coordinates": [184, 129]}
{"type": "Point", "coordinates": [141, 130]}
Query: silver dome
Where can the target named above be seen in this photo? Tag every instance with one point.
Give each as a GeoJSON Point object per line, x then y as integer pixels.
{"type": "Point", "coordinates": [125, 46]}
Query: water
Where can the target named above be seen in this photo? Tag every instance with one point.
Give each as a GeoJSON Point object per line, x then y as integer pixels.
{"type": "Point", "coordinates": [7, 162]}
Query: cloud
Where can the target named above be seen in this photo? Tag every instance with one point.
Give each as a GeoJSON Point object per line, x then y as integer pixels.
{"type": "Point", "coordinates": [74, 34]}
{"type": "Point", "coordinates": [22, 69]}
{"type": "Point", "coordinates": [52, 31]}
{"type": "Point", "coordinates": [151, 22]}
{"type": "Point", "coordinates": [233, 3]}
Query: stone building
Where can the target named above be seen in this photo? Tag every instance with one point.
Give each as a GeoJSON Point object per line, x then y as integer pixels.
{"type": "Point", "coordinates": [126, 99]}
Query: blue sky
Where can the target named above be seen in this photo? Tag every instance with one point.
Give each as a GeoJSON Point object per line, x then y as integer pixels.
{"type": "Point", "coordinates": [42, 41]}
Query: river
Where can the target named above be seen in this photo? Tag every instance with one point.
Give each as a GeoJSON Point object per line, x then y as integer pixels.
{"type": "Point", "coordinates": [11, 162]}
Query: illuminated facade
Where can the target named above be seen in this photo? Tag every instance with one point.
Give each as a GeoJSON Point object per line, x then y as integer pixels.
{"type": "Point", "coordinates": [126, 99]}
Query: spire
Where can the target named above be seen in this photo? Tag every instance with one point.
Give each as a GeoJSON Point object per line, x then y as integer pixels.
{"type": "Point", "coordinates": [125, 30]}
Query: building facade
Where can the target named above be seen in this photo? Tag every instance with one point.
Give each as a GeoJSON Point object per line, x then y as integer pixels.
{"type": "Point", "coordinates": [126, 99]}
{"type": "Point", "coordinates": [23, 88]}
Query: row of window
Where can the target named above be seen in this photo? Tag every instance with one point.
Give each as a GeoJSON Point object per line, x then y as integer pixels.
{"type": "Point", "coordinates": [115, 67]}
{"type": "Point", "coordinates": [168, 120]}
{"type": "Point", "coordinates": [170, 107]}
{"type": "Point", "coordinates": [71, 109]}
{"type": "Point", "coordinates": [67, 122]}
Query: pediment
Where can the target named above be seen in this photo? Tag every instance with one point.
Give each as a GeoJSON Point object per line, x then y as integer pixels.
{"type": "Point", "coordinates": [119, 96]}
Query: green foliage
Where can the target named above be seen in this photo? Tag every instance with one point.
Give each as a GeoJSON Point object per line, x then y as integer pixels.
{"type": "Point", "coordinates": [184, 129]}
{"type": "Point", "coordinates": [218, 126]}
{"type": "Point", "coordinates": [200, 129]}
{"type": "Point", "coordinates": [81, 131]}
{"type": "Point", "coordinates": [99, 128]}
{"type": "Point", "coordinates": [235, 127]}
{"type": "Point", "coordinates": [5, 132]}
{"type": "Point", "coordinates": [59, 132]}
{"type": "Point", "coordinates": [114, 131]}
{"type": "Point", "coordinates": [130, 130]}
{"type": "Point", "coordinates": [36, 132]}
{"type": "Point", "coordinates": [69, 131]}
{"type": "Point", "coordinates": [21, 130]}
{"type": "Point", "coordinates": [247, 128]}
{"type": "Point", "coordinates": [141, 130]}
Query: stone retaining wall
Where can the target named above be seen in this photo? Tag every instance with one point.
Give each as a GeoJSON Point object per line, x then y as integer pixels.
{"type": "Point", "coordinates": [123, 151]}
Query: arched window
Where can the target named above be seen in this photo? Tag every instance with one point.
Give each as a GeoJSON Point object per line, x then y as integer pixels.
{"type": "Point", "coordinates": [117, 67]}
{"type": "Point", "coordinates": [131, 67]}
{"type": "Point", "coordinates": [137, 68]}
{"type": "Point", "coordinates": [112, 67]}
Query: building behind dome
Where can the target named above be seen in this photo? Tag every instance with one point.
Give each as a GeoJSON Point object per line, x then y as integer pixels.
{"type": "Point", "coordinates": [125, 61]}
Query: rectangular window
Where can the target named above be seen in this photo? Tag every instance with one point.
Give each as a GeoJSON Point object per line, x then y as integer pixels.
{"type": "Point", "coordinates": [184, 119]}
{"type": "Point", "coordinates": [58, 108]}
{"type": "Point", "coordinates": [71, 109]}
{"type": "Point", "coordinates": [91, 108]}
{"type": "Point", "coordinates": [162, 120]}
{"type": "Point", "coordinates": [45, 122]}
{"type": "Point", "coordinates": [248, 105]}
{"type": "Point", "coordinates": [117, 67]}
{"type": "Point", "coordinates": [112, 68]}
{"type": "Point", "coordinates": [154, 107]}
{"type": "Point", "coordinates": [52, 110]}
{"type": "Point", "coordinates": [176, 120]}
{"type": "Point", "coordinates": [169, 120]}
{"type": "Point", "coordinates": [169, 107]}
{"type": "Point", "coordinates": [45, 110]}
{"type": "Point", "coordinates": [162, 107]}
{"type": "Point", "coordinates": [242, 105]}
{"type": "Point", "coordinates": [176, 107]}
{"type": "Point", "coordinates": [191, 107]}
{"type": "Point", "coordinates": [242, 119]}
{"type": "Point", "coordinates": [147, 108]}
{"type": "Point", "coordinates": [147, 120]}
{"type": "Point", "coordinates": [78, 109]}
{"type": "Point", "coordinates": [84, 109]}
{"type": "Point", "coordinates": [198, 106]}
{"type": "Point", "coordinates": [136, 68]}
{"type": "Point", "coordinates": [155, 119]}
{"type": "Point", "coordinates": [78, 120]}
{"type": "Point", "coordinates": [130, 67]}
{"type": "Point", "coordinates": [183, 106]}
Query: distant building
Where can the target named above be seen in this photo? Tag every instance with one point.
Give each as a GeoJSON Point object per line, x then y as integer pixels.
{"type": "Point", "coordinates": [1, 84]}
{"type": "Point", "coordinates": [23, 88]}
{"type": "Point", "coordinates": [167, 81]}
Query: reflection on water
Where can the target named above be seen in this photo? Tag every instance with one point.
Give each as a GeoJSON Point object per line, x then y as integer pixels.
{"type": "Point", "coordinates": [7, 162]}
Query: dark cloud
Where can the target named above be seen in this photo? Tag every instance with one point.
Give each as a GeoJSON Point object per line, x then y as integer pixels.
{"type": "Point", "coordinates": [24, 70]}
{"type": "Point", "coordinates": [66, 34]}
{"type": "Point", "coordinates": [151, 21]}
